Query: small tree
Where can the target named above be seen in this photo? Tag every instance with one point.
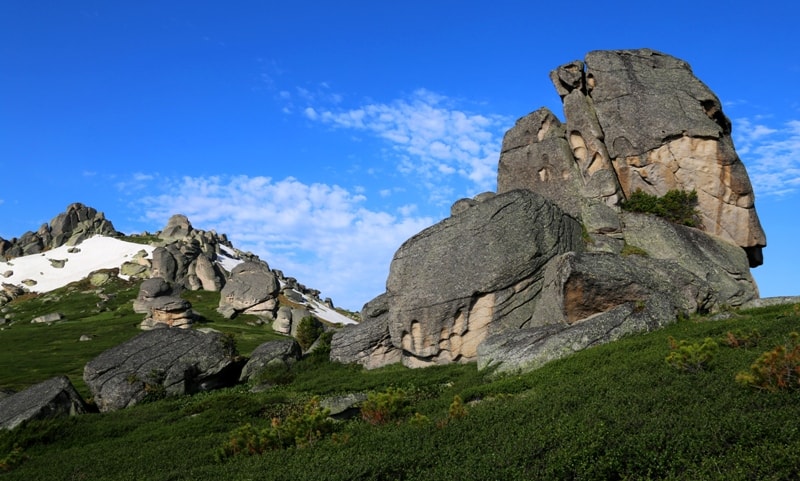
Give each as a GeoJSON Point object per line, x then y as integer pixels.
{"type": "Point", "coordinates": [308, 331]}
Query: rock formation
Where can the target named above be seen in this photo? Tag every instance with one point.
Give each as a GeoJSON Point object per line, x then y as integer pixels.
{"type": "Point", "coordinates": [163, 305]}
{"type": "Point", "coordinates": [636, 119]}
{"type": "Point", "coordinates": [161, 362]}
{"type": "Point", "coordinates": [551, 264]}
{"type": "Point", "coordinates": [252, 288]}
{"type": "Point", "coordinates": [77, 224]}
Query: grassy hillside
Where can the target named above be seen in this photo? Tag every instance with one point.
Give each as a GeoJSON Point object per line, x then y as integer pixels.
{"type": "Point", "coordinates": [617, 411]}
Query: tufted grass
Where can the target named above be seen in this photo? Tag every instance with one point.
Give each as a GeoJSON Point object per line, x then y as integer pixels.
{"type": "Point", "coordinates": [617, 411]}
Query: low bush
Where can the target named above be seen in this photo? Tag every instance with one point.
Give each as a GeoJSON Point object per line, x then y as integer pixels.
{"type": "Point", "coordinates": [739, 338]}
{"type": "Point", "coordinates": [300, 429]}
{"type": "Point", "coordinates": [690, 357]}
{"type": "Point", "coordinates": [385, 406]}
{"type": "Point", "coordinates": [678, 206]}
{"type": "Point", "coordinates": [776, 370]}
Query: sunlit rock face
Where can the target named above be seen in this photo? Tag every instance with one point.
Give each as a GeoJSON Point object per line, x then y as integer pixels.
{"type": "Point", "coordinates": [635, 119]}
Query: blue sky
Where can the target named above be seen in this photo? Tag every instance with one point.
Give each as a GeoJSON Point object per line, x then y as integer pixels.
{"type": "Point", "coordinates": [321, 135]}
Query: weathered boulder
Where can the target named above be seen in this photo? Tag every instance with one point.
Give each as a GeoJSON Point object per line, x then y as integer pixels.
{"type": "Point", "coordinates": [163, 305]}
{"type": "Point", "coordinates": [721, 264]}
{"type": "Point", "coordinates": [281, 353]}
{"type": "Point", "coordinates": [450, 282]}
{"type": "Point", "coordinates": [48, 318]}
{"type": "Point", "coordinates": [530, 348]}
{"type": "Point", "coordinates": [367, 343]}
{"type": "Point", "coordinates": [55, 397]}
{"type": "Point", "coordinates": [251, 283]}
{"type": "Point", "coordinates": [161, 362]}
{"type": "Point", "coordinates": [178, 227]}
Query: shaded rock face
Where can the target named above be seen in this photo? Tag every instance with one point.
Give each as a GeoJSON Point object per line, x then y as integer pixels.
{"type": "Point", "coordinates": [161, 362]}
{"type": "Point", "coordinates": [636, 119]}
{"type": "Point", "coordinates": [71, 227]}
{"type": "Point", "coordinates": [52, 398]}
{"type": "Point", "coordinates": [367, 343]}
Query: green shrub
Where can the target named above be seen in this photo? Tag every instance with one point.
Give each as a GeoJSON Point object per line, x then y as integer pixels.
{"type": "Point", "coordinates": [739, 338]}
{"type": "Point", "coordinates": [308, 331]}
{"type": "Point", "coordinates": [384, 407]}
{"type": "Point", "coordinates": [690, 357]}
{"type": "Point", "coordinates": [676, 206]}
{"type": "Point", "coordinates": [300, 430]}
{"type": "Point", "coordinates": [776, 370]}
{"type": "Point", "coordinates": [12, 459]}
{"type": "Point", "coordinates": [629, 250]}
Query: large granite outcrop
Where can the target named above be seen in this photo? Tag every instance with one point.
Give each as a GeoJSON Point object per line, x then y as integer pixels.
{"type": "Point", "coordinates": [161, 362]}
{"type": "Point", "coordinates": [71, 227]}
{"type": "Point", "coordinates": [518, 279]}
{"type": "Point", "coordinates": [55, 397]}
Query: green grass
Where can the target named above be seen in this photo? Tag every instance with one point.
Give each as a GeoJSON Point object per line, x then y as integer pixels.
{"type": "Point", "coordinates": [617, 411]}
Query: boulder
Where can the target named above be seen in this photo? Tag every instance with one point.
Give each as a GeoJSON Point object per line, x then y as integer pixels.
{"type": "Point", "coordinates": [48, 318]}
{"type": "Point", "coordinates": [448, 283]}
{"type": "Point", "coordinates": [55, 397]}
{"type": "Point", "coordinates": [367, 343]}
{"type": "Point", "coordinates": [178, 227]}
{"type": "Point", "coordinates": [160, 301]}
{"type": "Point", "coordinates": [161, 362]}
{"type": "Point", "coordinates": [281, 353]}
{"type": "Point", "coordinates": [250, 284]}
{"type": "Point", "coordinates": [530, 348]}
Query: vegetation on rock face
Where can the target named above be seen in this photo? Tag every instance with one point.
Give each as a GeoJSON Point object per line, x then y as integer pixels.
{"type": "Point", "coordinates": [676, 206]}
{"type": "Point", "coordinates": [616, 411]}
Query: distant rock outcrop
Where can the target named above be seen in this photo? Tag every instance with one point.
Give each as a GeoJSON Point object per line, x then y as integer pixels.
{"type": "Point", "coordinates": [163, 305]}
{"type": "Point", "coordinates": [252, 288]}
{"type": "Point", "coordinates": [55, 397]}
{"type": "Point", "coordinates": [159, 363]}
{"type": "Point", "coordinates": [77, 224]}
{"type": "Point", "coordinates": [551, 265]}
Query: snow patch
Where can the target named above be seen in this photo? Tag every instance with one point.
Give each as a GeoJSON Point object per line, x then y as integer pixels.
{"type": "Point", "coordinates": [98, 252]}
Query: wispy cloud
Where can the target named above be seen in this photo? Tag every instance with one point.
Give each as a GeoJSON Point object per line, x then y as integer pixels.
{"type": "Point", "coordinates": [428, 135]}
{"type": "Point", "coordinates": [771, 154]}
{"type": "Point", "coordinates": [321, 234]}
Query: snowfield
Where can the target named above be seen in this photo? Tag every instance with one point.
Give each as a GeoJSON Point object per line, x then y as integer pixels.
{"type": "Point", "coordinates": [98, 252]}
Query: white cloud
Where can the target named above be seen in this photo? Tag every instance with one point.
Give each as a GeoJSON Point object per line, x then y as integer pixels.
{"type": "Point", "coordinates": [428, 137]}
{"type": "Point", "coordinates": [771, 154]}
{"type": "Point", "coordinates": [321, 234]}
